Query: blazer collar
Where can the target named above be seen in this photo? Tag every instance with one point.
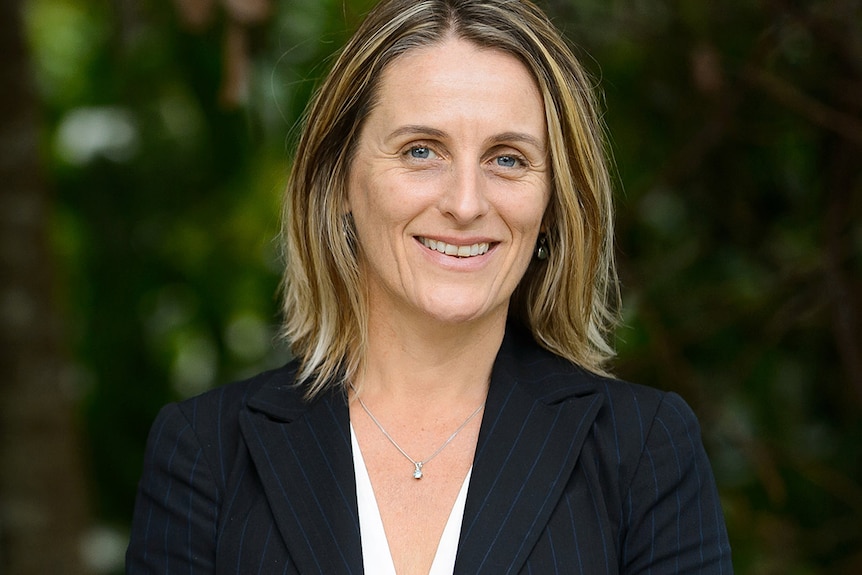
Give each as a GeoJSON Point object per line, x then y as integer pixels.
{"type": "Point", "coordinates": [303, 456]}
{"type": "Point", "coordinates": [538, 413]}
{"type": "Point", "coordinates": [537, 416]}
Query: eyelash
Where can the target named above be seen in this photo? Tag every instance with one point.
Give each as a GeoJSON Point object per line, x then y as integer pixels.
{"type": "Point", "coordinates": [520, 161]}
{"type": "Point", "coordinates": [416, 147]}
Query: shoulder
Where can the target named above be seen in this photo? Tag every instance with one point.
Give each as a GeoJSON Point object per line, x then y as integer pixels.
{"type": "Point", "coordinates": [642, 458]}
{"type": "Point", "coordinates": [639, 408]}
{"type": "Point", "coordinates": [212, 418]}
{"type": "Point", "coordinates": [231, 398]}
{"type": "Point", "coordinates": [551, 377]}
{"type": "Point", "coordinates": [628, 413]}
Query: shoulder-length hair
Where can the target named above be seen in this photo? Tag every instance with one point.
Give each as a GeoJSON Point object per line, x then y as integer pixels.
{"type": "Point", "coordinates": [568, 301]}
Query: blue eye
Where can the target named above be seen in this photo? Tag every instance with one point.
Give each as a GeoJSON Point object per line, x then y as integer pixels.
{"type": "Point", "coordinates": [507, 161]}
{"type": "Point", "coordinates": [420, 152]}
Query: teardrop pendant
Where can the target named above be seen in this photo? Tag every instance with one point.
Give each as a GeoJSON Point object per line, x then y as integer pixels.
{"type": "Point", "coordinates": [417, 465]}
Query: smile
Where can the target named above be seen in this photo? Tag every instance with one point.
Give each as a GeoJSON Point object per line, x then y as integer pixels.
{"type": "Point", "coordinates": [453, 250]}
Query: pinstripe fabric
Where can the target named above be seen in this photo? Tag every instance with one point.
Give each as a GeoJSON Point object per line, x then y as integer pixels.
{"type": "Point", "coordinates": [573, 474]}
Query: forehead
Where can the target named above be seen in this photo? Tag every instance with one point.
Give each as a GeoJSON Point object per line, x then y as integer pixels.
{"type": "Point", "coordinates": [455, 78]}
{"type": "Point", "coordinates": [467, 52]}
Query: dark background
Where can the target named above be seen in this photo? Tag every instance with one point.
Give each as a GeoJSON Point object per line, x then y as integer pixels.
{"type": "Point", "coordinates": [143, 149]}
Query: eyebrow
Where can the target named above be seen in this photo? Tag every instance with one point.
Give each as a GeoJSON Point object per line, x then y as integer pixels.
{"type": "Point", "coordinates": [419, 130]}
{"type": "Point", "coordinates": [415, 130]}
{"type": "Point", "coordinates": [518, 137]}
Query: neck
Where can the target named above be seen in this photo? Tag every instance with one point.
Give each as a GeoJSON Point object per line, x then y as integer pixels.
{"type": "Point", "coordinates": [418, 362]}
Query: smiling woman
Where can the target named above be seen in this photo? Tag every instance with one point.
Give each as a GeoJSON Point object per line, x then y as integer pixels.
{"type": "Point", "coordinates": [448, 234]}
{"type": "Point", "coordinates": [451, 159]}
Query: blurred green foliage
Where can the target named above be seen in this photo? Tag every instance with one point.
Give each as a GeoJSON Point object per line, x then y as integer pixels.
{"type": "Point", "coordinates": [736, 128]}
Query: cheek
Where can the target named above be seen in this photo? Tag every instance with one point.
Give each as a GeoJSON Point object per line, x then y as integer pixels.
{"type": "Point", "coordinates": [528, 217]}
{"type": "Point", "coordinates": [378, 206]}
{"type": "Point", "coordinates": [372, 214]}
{"type": "Point", "coordinates": [387, 197]}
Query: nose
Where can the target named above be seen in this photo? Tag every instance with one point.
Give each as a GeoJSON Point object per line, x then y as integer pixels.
{"type": "Point", "coordinates": [465, 197]}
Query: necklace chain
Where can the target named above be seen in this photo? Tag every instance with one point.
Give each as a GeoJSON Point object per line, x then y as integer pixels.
{"type": "Point", "coordinates": [417, 465]}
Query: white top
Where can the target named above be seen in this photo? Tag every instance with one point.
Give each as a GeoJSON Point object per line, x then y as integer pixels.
{"type": "Point", "coordinates": [375, 548]}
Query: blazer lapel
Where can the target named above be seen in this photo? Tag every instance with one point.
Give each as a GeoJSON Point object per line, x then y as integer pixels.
{"type": "Point", "coordinates": [536, 423]}
{"type": "Point", "coordinates": [303, 456]}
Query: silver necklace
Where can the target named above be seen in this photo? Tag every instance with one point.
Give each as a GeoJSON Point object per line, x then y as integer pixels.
{"type": "Point", "coordinates": [417, 465]}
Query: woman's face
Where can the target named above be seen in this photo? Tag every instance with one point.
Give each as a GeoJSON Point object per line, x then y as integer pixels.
{"type": "Point", "coordinates": [449, 183]}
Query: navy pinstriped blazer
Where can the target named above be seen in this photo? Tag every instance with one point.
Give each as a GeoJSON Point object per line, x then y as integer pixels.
{"type": "Point", "coordinates": [573, 474]}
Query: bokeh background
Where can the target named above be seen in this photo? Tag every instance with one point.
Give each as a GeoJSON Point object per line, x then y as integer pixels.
{"type": "Point", "coordinates": [143, 149]}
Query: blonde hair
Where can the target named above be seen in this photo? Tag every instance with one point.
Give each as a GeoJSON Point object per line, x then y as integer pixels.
{"type": "Point", "coordinates": [567, 301]}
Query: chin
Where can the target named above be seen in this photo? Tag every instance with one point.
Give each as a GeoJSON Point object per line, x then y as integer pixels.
{"type": "Point", "coordinates": [461, 313]}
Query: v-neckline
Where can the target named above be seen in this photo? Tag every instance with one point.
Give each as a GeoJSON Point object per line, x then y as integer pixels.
{"type": "Point", "coordinates": [376, 555]}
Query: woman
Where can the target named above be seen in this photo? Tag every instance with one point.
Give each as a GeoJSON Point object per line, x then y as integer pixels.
{"type": "Point", "coordinates": [447, 228]}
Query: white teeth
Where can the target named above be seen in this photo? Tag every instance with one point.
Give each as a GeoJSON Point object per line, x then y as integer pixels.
{"type": "Point", "coordinates": [453, 250]}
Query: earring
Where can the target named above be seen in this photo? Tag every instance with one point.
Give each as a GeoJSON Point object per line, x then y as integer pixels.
{"type": "Point", "coordinates": [542, 252]}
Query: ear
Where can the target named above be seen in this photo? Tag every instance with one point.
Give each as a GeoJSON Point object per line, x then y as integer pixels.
{"type": "Point", "coordinates": [345, 208]}
{"type": "Point", "coordinates": [546, 220]}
